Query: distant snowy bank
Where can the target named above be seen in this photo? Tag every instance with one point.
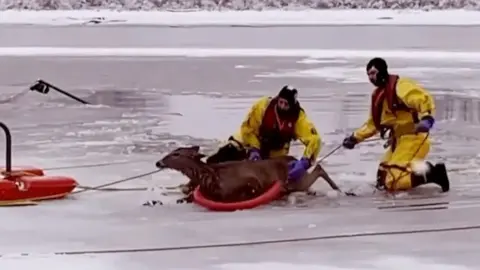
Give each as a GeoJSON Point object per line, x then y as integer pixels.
{"type": "Point", "coordinates": [236, 4]}
{"type": "Point", "coordinates": [243, 18]}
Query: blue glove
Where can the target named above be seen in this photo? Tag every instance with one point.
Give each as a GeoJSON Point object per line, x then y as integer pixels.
{"type": "Point", "coordinates": [254, 154]}
{"type": "Point", "coordinates": [425, 124]}
{"type": "Point", "coordinates": [296, 169]}
{"type": "Point", "coordinates": [350, 142]}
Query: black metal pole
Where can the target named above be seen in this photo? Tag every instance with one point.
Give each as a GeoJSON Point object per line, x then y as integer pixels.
{"type": "Point", "coordinates": [8, 148]}
{"type": "Point", "coordinates": [63, 92]}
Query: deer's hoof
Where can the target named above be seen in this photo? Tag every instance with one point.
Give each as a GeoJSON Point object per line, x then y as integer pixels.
{"type": "Point", "coordinates": [152, 203]}
{"type": "Point", "coordinates": [180, 201]}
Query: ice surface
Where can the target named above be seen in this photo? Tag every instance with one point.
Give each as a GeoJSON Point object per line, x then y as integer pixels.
{"type": "Point", "coordinates": [55, 263]}
{"type": "Point", "coordinates": [390, 263]}
{"type": "Point", "coordinates": [247, 18]}
{"type": "Point", "coordinates": [239, 52]}
{"type": "Point", "coordinates": [153, 104]}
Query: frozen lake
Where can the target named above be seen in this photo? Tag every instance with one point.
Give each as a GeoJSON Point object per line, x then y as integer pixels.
{"type": "Point", "coordinates": [416, 37]}
{"type": "Point", "coordinates": [147, 106]}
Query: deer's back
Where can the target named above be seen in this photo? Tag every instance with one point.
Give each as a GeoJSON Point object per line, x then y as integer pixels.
{"type": "Point", "coordinates": [236, 178]}
{"type": "Point", "coordinates": [264, 170]}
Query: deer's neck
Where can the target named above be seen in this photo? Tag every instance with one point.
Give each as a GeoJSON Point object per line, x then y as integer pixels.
{"type": "Point", "coordinates": [201, 174]}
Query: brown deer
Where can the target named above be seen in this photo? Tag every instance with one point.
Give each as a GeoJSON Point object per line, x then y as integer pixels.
{"type": "Point", "coordinates": [232, 181]}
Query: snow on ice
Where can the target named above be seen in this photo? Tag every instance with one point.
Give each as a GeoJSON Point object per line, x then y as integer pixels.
{"type": "Point", "coordinates": [236, 4]}
{"type": "Point", "coordinates": [238, 18]}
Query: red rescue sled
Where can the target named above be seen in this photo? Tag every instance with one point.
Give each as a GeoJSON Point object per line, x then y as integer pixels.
{"type": "Point", "coordinates": [28, 183]}
{"type": "Point", "coordinates": [21, 185]}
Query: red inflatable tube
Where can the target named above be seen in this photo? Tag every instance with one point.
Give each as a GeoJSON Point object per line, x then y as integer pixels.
{"type": "Point", "coordinates": [270, 195]}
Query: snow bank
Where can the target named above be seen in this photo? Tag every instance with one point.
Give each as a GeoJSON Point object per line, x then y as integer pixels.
{"type": "Point", "coordinates": [246, 18]}
{"type": "Point", "coordinates": [236, 4]}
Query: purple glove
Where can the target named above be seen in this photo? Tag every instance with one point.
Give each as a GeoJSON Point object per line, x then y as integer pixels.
{"type": "Point", "coordinates": [254, 154]}
{"type": "Point", "coordinates": [296, 169]}
{"type": "Point", "coordinates": [425, 124]}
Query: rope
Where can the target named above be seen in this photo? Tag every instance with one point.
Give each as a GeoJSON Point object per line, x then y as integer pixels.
{"type": "Point", "coordinates": [334, 150]}
{"type": "Point", "coordinates": [329, 153]}
{"type": "Point", "coordinates": [165, 188]}
{"type": "Point", "coordinates": [104, 186]}
{"type": "Point", "coordinates": [112, 189]}
{"type": "Point", "coordinates": [264, 242]}
{"type": "Point", "coordinates": [348, 193]}
{"type": "Point", "coordinates": [118, 181]}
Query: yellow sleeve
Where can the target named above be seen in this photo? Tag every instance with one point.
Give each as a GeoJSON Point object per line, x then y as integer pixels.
{"type": "Point", "coordinates": [367, 130]}
{"type": "Point", "coordinates": [250, 128]}
{"type": "Point", "coordinates": [415, 97]}
{"type": "Point", "coordinates": [306, 132]}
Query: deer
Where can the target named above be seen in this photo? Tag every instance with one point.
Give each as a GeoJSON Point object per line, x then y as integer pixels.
{"type": "Point", "coordinates": [237, 180]}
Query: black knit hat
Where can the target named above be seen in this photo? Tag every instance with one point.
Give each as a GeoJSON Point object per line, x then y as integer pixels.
{"type": "Point", "coordinates": [379, 63]}
{"type": "Point", "coordinates": [289, 93]}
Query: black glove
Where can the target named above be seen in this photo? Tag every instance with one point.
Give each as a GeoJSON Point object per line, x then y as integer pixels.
{"type": "Point", "coordinates": [349, 142]}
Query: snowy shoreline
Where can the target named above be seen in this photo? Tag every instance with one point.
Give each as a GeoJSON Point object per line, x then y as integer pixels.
{"type": "Point", "coordinates": [241, 18]}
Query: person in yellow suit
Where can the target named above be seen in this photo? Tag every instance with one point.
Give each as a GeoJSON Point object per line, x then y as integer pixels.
{"type": "Point", "coordinates": [405, 110]}
{"type": "Point", "coordinates": [269, 128]}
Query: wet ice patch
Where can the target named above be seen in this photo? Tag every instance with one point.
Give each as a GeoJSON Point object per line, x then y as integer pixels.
{"type": "Point", "coordinates": [213, 117]}
{"type": "Point", "coordinates": [220, 117]}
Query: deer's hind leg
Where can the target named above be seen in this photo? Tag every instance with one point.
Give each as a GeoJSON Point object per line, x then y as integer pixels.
{"type": "Point", "coordinates": [310, 178]}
